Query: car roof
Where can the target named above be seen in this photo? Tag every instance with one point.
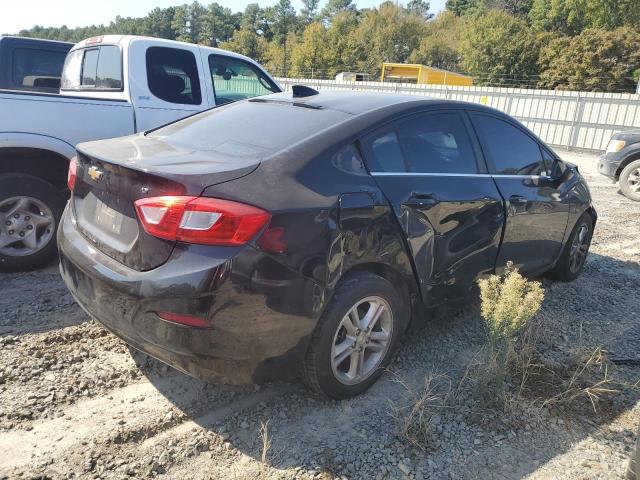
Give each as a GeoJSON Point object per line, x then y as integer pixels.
{"type": "Point", "coordinates": [361, 103]}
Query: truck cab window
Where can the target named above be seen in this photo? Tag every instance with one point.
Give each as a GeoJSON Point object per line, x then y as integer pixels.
{"type": "Point", "coordinates": [235, 79]}
{"type": "Point", "coordinates": [96, 68]}
{"type": "Point", "coordinates": [36, 69]}
{"type": "Point", "coordinates": [172, 75]}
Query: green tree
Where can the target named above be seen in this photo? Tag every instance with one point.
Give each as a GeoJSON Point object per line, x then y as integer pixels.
{"type": "Point", "coordinates": [247, 42]}
{"type": "Point", "coordinates": [336, 6]}
{"type": "Point", "coordinates": [464, 7]}
{"type": "Point", "coordinates": [158, 22]}
{"type": "Point", "coordinates": [309, 11]}
{"type": "Point", "coordinates": [312, 56]}
{"type": "Point", "coordinates": [440, 44]}
{"type": "Point", "coordinates": [499, 49]}
{"type": "Point", "coordinates": [596, 59]}
{"type": "Point", "coordinates": [419, 7]}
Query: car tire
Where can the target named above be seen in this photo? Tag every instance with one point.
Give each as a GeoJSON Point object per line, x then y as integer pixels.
{"type": "Point", "coordinates": [575, 251]}
{"type": "Point", "coordinates": [343, 323]}
{"type": "Point", "coordinates": [30, 208]}
{"type": "Point", "coordinates": [630, 181]}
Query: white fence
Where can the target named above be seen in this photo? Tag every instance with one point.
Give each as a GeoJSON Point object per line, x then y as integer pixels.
{"type": "Point", "coordinates": [580, 120]}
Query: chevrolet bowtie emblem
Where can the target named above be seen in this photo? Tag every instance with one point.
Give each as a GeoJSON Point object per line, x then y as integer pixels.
{"type": "Point", "coordinates": [94, 173]}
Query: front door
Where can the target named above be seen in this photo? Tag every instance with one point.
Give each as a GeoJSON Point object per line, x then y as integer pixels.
{"type": "Point", "coordinates": [447, 205]}
{"type": "Point", "coordinates": [536, 204]}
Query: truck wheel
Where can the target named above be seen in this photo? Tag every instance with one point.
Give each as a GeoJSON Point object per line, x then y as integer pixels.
{"type": "Point", "coordinates": [574, 253]}
{"type": "Point", "coordinates": [30, 209]}
{"type": "Point", "coordinates": [355, 337]}
{"type": "Point", "coordinates": [630, 181]}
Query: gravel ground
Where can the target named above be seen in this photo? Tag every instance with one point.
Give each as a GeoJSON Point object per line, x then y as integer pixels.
{"type": "Point", "coordinates": [76, 403]}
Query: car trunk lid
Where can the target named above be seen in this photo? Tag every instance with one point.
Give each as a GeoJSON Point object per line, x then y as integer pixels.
{"type": "Point", "coordinates": [113, 174]}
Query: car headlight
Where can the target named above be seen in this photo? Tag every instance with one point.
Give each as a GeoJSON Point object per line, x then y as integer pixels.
{"type": "Point", "coordinates": [615, 146]}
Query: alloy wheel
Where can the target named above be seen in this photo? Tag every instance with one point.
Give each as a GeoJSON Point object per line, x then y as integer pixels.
{"type": "Point", "coordinates": [633, 180]}
{"type": "Point", "coordinates": [361, 340]}
{"type": "Point", "coordinates": [26, 226]}
{"type": "Point", "coordinates": [579, 248]}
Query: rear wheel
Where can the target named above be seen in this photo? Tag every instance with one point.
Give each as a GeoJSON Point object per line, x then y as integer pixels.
{"type": "Point", "coordinates": [355, 337]}
{"type": "Point", "coordinates": [574, 254]}
{"type": "Point", "coordinates": [630, 181]}
{"type": "Point", "coordinates": [30, 210]}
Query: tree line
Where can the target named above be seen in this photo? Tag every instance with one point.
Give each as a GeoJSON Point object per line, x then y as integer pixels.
{"type": "Point", "coordinates": [557, 44]}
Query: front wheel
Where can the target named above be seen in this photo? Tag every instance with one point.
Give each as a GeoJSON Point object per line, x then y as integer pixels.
{"type": "Point", "coordinates": [30, 209]}
{"type": "Point", "coordinates": [355, 337]}
{"type": "Point", "coordinates": [630, 181]}
{"type": "Point", "coordinates": [574, 254]}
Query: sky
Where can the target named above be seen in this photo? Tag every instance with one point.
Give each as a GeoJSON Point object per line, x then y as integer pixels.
{"type": "Point", "coordinates": [75, 13]}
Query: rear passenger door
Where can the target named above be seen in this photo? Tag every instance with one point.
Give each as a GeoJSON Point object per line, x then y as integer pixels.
{"type": "Point", "coordinates": [536, 204]}
{"type": "Point", "coordinates": [449, 209]}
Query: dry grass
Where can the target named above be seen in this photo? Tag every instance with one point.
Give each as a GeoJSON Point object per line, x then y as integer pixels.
{"type": "Point", "coordinates": [414, 414]}
{"type": "Point", "coordinates": [587, 378]}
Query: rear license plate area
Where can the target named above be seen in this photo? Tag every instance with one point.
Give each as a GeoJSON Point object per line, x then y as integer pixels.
{"type": "Point", "coordinates": [107, 218]}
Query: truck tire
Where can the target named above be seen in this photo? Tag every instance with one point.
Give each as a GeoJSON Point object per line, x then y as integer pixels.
{"type": "Point", "coordinates": [630, 181]}
{"type": "Point", "coordinates": [30, 210]}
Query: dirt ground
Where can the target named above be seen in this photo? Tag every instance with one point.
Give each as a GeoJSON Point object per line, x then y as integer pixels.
{"type": "Point", "coordinates": [75, 402]}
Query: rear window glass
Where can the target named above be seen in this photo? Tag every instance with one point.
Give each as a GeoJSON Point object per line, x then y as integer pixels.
{"type": "Point", "coordinates": [89, 67]}
{"type": "Point", "coordinates": [172, 75]}
{"type": "Point", "coordinates": [249, 128]}
{"type": "Point", "coordinates": [437, 143]}
{"type": "Point", "coordinates": [36, 69]}
{"type": "Point", "coordinates": [96, 68]}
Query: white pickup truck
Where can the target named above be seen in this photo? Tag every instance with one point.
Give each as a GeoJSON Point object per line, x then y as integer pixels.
{"type": "Point", "coordinates": [111, 86]}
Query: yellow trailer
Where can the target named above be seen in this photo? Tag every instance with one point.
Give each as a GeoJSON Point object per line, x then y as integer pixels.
{"type": "Point", "coordinates": [422, 74]}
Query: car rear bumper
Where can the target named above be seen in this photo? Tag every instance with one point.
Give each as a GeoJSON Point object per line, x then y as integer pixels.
{"type": "Point", "coordinates": [261, 313]}
{"type": "Point", "coordinates": [608, 166]}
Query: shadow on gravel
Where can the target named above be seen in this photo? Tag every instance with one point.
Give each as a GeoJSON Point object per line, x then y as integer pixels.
{"type": "Point", "coordinates": [34, 302]}
{"type": "Point", "coordinates": [599, 309]}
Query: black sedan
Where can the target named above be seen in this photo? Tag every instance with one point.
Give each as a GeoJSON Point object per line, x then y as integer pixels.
{"type": "Point", "coordinates": [298, 235]}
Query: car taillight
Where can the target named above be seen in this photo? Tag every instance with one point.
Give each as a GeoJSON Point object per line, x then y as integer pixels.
{"type": "Point", "coordinates": [71, 174]}
{"type": "Point", "coordinates": [202, 220]}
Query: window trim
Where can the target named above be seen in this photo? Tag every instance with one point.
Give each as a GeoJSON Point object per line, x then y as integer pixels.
{"type": "Point", "coordinates": [197, 71]}
{"type": "Point", "coordinates": [489, 161]}
{"type": "Point", "coordinates": [84, 88]}
{"type": "Point", "coordinates": [253, 67]}
{"type": "Point", "coordinates": [392, 125]}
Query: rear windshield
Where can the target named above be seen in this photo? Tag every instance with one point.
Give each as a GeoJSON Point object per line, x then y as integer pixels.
{"type": "Point", "coordinates": [93, 68]}
{"type": "Point", "coordinates": [249, 127]}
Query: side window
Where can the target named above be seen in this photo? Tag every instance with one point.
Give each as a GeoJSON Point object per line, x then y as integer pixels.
{"type": "Point", "coordinates": [36, 69]}
{"type": "Point", "coordinates": [89, 67]}
{"type": "Point", "coordinates": [510, 151]}
{"type": "Point", "coordinates": [172, 75]}
{"type": "Point", "coordinates": [234, 79]}
{"type": "Point", "coordinates": [437, 143]}
{"type": "Point", "coordinates": [383, 153]}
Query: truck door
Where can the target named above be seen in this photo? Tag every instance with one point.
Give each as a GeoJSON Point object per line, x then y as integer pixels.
{"type": "Point", "coordinates": [448, 207]}
{"type": "Point", "coordinates": [166, 84]}
{"type": "Point", "coordinates": [537, 205]}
